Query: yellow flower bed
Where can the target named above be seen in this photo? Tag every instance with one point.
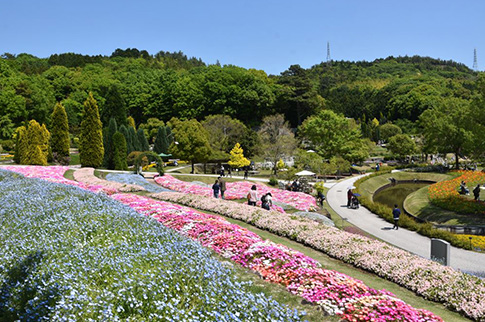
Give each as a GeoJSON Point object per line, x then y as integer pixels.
{"type": "Point", "coordinates": [477, 241]}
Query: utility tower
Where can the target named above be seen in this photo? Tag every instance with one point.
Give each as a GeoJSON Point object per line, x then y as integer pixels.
{"type": "Point", "coordinates": [475, 62]}
{"type": "Point", "coordinates": [329, 60]}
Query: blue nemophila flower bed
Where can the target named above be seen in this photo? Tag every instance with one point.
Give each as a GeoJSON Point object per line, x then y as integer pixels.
{"type": "Point", "coordinates": [71, 255]}
{"type": "Point", "coordinates": [130, 178]}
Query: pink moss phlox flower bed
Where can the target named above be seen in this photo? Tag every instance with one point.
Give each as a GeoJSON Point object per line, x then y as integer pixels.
{"type": "Point", "coordinates": [86, 176]}
{"type": "Point", "coordinates": [56, 174]}
{"type": "Point", "coordinates": [333, 291]}
{"type": "Point", "coordinates": [461, 292]}
{"type": "Point", "coordinates": [240, 189]}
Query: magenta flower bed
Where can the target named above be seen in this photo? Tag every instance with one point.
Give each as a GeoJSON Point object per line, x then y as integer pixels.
{"type": "Point", "coordinates": [460, 292]}
{"type": "Point", "coordinates": [240, 189]}
{"type": "Point", "coordinates": [333, 291]}
{"type": "Point", "coordinates": [56, 174]}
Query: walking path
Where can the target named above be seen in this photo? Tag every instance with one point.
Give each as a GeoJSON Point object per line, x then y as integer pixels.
{"type": "Point", "coordinates": [464, 260]}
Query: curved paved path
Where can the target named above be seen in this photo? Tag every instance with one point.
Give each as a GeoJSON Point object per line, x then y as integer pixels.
{"type": "Point", "coordinates": [461, 259]}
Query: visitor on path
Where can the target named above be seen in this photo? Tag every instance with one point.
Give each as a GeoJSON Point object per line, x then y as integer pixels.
{"type": "Point", "coordinates": [476, 192]}
{"type": "Point", "coordinates": [216, 188]}
{"type": "Point", "coordinates": [464, 189]}
{"type": "Point", "coordinates": [252, 196]}
{"type": "Point", "coordinates": [229, 173]}
{"type": "Point", "coordinates": [266, 201]}
{"type": "Point", "coordinates": [222, 170]}
{"type": "Point", "coordinates": [396, 212]}
{"type": "Point", "coordinates": [246, 172]}
{"type": "Point", "coordinates": [350, 194]}
{"type": "Point", "coordinates": [222, 185]}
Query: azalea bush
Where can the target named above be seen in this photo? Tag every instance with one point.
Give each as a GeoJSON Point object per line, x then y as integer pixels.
{"type": "Point", "coordinates": [301, 275]}
{"type": "Point", "coordinates": [458, 291]}
{"type": "Point", "coordinates": [240, 189]}
{"type": "Point", "coordinates": [71, 255]}
{"type": "Point", "coordinates": [445, 194]}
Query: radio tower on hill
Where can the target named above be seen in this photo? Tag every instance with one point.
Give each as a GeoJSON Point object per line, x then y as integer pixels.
{"type": "Point", "coordinates": [475, 63]}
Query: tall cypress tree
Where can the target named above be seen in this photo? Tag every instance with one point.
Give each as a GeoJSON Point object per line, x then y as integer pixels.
{"type": "Point", "coordinates": [170, 139]}
{"type": "Point", "coordinates": [108, 160]}
{"type": "Point", "coordinates": [134, 139]}
{"type": "Point", "coordinates": [161, 138]}
{"type": "Point", "coordinates": [36, 145]}
{"type": "Point", "coordinates": [119, 151]}
{"type": "Point", "coordinates": [91, 138]}
{"type": "Point", "coordinates": [20, 141]}
{"type": "Point", "coordinates": [129, 144]}
{"type": "Point", "coordinates": [60, 134]}
{"type": "Point", "coordinates": [143, 140]}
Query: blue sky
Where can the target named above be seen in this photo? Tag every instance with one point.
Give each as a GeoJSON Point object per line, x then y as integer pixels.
{"type": "Point", "coordinates": [267, 34]}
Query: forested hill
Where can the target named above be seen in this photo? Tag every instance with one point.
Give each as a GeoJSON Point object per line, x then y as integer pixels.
{"type": "Point", "coordinates": [164, 85]}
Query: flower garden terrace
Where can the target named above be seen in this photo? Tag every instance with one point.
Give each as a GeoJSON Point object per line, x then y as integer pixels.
{"type": "Point", "coordinates": [282, 265]}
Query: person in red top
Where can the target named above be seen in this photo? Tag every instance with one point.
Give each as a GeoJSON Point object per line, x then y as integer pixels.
{"type": "Point", "coordinates": [350, 194]}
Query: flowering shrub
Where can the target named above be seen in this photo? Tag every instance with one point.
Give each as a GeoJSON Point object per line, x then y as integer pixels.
{"type": "Point", "coordinates": [70, 255]}
{"type": "Point", "coordinates": [240, 189]}
{"type": "Point", "coordinates": [458, 291]}
{"type": "Point", "coordinates": [300, 274]}
{"type": "Point", "coordinates": [445, 194]}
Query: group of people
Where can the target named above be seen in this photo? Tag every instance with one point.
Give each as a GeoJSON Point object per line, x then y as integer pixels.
{"type": "Point", "coordinates": [266, 199]}
{"type": "Point", "coordinates": [222, 172]}
{"type": "Point", "coordinates": [463, 190]}
{"type": "Point", "coordinates": [219, 187]}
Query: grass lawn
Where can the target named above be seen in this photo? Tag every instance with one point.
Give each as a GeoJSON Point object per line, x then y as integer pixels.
{"type": "Point", "coordinates": [74, 159]}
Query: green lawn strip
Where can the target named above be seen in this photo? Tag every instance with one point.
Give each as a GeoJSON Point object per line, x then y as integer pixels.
{"type": "Point", "coordinates": [369, 186]}
{"type": "Point", "coordinates": [69, 174]}
{"type": "Point", "coordinates": [75, 160]}
{"type": "Point", "coordinates": [369, 279]}
{"type": "Point", "coordinates": [419, 205]}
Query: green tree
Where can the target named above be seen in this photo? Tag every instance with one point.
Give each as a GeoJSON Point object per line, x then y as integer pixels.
{"type": "Point", "coordinates": [131, 122]}
{"type": "Point", "coordinates": [388, 130]}
{"type": "Point", "coordinates": [119, 152]}
{"type": "Point", "coordinates": [192, 142]}
{"type": "Point", "coordinates": [60, 142]}
{"type": "Point", "coordinates": [108, 133]}
{"type": "Point", "coordinates": [332, 134]}
{"type": "Point", "coordinates": [37, 142]}
{"type": "Point", "coordinates": [20, 143]}
{"type": "Point", "coordinates": [161, 142]}
{"type": "Point", "coordinates": [448, 128]}
{"type": "Point", "coordinates": [129, 144]}
{"type": "Point", "coordinates": [237, 157]}
{"type": "Point", "coordinates": [401, 145]}
{"type": "Point", "coordinates": [91, 139]}
{"type": "Point", "coordinates": [134, 139]}
{"type": "Point", "coordinates": [142, 139]}
{"type": "Point", "coordinates": [277, 139]}
{"type": "Point", "coordinates": [151, 128]}
{"type": "Point", "coordinates": [224, 131]}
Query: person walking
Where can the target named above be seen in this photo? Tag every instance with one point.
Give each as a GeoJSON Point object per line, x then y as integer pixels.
{"type": "Point", "coordinates": [222, 185]}
{"type": "Point", "coordinates": [396, 212]}
{"type": "Point", "coordinates": [216, 188]}
{"type": "Point", "coordinates": [252, 196]}
{"type": "Point", "coordinates": [350, 194]}
{"type": "Point", "coordinates": [246, 172]}
{"type": "Point", "coordinates": [476, 192]}
{"type": "Point", "coordinates": [267, 201]}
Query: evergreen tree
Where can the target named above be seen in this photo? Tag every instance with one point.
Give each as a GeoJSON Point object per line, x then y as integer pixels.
{"type": "Point", "coordinates": [160, 145]}
{"type": "Point", "coordinates": [134, 139]}
{"type": "Point", "coordinates": [119, 151]}
{"type": "Point", "coordinates": [129, 144]}
{"type": "Point", "coordinates": [131, 122]}
{"type": "Point", "coordinates": [237, 157]}
{"type": "Point", "coordinates": [91, 137]}
{"type": "Point", "coordinates": [20, 143]}
{"type": "Point", "coordinates": [60, 134]}
{"type": "Point", "coordinates": [108, 160]}
{"type": "Point", "coordinates": [142, 139]}
{"type": "Point", "coordinates": [36, 145]}
{"type": "Point", "coordinates": [168, 130]}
